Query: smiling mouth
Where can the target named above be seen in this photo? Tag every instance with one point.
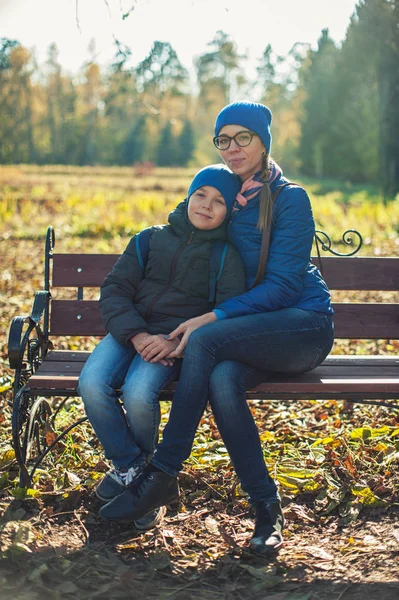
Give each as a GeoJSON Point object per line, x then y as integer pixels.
{"type": "Point", "coordinates": [203, 215]}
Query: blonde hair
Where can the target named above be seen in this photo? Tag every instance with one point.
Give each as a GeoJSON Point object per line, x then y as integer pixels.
{"type": "Point", "coordinates": [265, 196]}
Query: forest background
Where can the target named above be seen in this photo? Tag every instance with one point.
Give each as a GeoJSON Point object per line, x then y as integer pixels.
{"type": "Point", "coordinates": [335, 107]}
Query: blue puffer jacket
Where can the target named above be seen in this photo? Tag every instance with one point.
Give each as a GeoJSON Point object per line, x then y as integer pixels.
{"type": "Point", "coordinates": [291, 280]}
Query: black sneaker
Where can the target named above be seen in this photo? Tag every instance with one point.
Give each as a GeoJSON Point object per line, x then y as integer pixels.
{"type": "Point", "coordinates": [151, 519]}
{"type": "Point", "coordinates": [269, 523]}
{"type": "Point", "coordinates": [150, 491]}
{"type": "Point", "coordinates": [116, 481]}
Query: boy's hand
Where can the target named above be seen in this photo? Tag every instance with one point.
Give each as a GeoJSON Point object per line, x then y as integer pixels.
{"type": "Point", "coordinates": [154, 348]}
{"type": "Point", "coordinates": [186, 329]}
{"type": "Point", "coordinates": [138, 339]}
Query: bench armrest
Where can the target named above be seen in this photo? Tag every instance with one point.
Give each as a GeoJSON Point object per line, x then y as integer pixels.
{"type": "Point", "coordinates": [19, 335]}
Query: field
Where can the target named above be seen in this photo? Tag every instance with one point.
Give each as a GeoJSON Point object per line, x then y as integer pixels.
{"type": "Point", "coordinates": [337, 467]}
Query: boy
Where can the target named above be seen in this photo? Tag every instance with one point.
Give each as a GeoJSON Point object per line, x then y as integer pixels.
{"type": "Point", "coordinates": [140, 306]}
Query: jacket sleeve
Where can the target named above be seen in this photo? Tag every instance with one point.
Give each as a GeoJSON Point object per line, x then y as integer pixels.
{"type": "Point", "coordinates": [232, 280]}
{"type": "Point", "coordinates": [289, 254]}
{"type": "Point", "coordinates": [118, 289]}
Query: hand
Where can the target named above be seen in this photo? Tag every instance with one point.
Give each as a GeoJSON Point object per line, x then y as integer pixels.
{"type": "Point", "coordinates": [155, 348]}
{"type": "Point", "coordinates": [140, 342]}
{"type": "Point", "coordinates": [138, 339]}
{"type": "Point", "coordinates": [186, 329]}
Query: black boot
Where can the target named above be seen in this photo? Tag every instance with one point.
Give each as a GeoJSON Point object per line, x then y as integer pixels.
{"type": "Point", "coordinates": [152, 490]}
{"type": "Point", "coordinates": [269, 522]}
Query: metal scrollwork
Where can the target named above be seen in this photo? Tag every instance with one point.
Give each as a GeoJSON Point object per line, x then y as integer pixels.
{"type": "Point", "coordinates": [347, 239]}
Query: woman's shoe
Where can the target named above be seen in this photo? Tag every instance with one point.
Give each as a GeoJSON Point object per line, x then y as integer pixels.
{"type": "Point", "coordinates": [152, 490]}
{"type": "Point", "coordinates": [269, 523]}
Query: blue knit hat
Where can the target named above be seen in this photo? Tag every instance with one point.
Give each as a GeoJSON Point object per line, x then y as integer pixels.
{"type": "Point", "coordinates": [256, 117]}
{"type": "Point", "coordinates": [220, 177]}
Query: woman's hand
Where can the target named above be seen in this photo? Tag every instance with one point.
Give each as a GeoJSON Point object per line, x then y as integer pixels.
{"type": "Point", "coordinates": [186, 329]}
{"type": "Point", "coordinates": [154, 348]}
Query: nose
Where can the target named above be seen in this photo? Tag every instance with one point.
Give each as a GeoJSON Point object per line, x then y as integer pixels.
{"type": "Point", "coordinates": [207, 204]}
{"type": "Point", "coordinates": [233, 146]}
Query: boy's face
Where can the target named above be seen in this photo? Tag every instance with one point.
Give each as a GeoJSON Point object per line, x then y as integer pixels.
{"type": "Point", "coordinates": [206, 208]}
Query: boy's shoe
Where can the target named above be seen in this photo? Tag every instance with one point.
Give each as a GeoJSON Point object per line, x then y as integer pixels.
{"type": "Point", "coordinates": [151, 519]}
{"type": "Point", "coordinates": [269, 522]}
{"type": "Point", "coordinates": [116, 481]}
{"type": "Point", "coordinates": [150, 491]}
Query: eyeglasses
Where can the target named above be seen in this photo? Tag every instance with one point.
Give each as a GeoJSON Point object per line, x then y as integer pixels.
{"type": "Point", "coordinates": [241, 138]}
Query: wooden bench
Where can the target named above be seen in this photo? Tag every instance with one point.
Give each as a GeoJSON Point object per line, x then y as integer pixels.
{"type": "Point", "coordinates": [42, 371]}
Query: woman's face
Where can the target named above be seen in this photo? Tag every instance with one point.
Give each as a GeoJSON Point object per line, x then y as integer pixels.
{"type": "Point", "coordinates": [244, 162]}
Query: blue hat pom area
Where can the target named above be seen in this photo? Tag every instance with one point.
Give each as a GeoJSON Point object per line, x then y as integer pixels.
{"type": "Point", "coordinates": [220, 177]}
{"type": "Point", "coordinates": [251, 115]}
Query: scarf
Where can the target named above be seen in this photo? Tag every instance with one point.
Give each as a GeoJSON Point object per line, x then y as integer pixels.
{"type": "Point", "coordinates": [251, 187]}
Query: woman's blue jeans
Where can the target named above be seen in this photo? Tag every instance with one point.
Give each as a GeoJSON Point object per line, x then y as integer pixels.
{"type": "Point", "coordinates": [223, 358]}
{"type": "Point", "coordinates": [128, 432]}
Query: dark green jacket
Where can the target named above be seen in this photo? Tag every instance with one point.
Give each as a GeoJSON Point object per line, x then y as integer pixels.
{"type": "Point", "coordinates": [175, 285]}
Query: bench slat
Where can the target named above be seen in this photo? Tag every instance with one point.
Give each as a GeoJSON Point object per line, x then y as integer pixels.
{"type": "Point", "coordinates": [76, 317]}
{"type": "Point", "coordinates": [360, 273]}
{"type": "Point", "coordinates": [339, 361]}
{"type": "Point", "coordinates": [353, 369]}
{"type": "Point", "coordinates": [305, 386]}
{"type": "Point", "coordinates": [338, 376]}
{"type": "Point", "coordinates": [355, 321]}
{"type": "Point", "coordinates": [350, 273]}
{"type": "Point", "coordinates": [81, 270]}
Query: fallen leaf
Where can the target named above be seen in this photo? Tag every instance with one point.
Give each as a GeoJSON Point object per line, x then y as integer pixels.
{"type": "Point", "coordinates": [211, 525]}
{"type": "Point", "coordinates": [318, 553]}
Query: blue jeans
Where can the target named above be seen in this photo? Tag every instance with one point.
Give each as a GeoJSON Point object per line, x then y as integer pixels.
{"type": "Point", "coordinates": [128, 432]}
{"type": "Point", "coordinates": [223, 358]}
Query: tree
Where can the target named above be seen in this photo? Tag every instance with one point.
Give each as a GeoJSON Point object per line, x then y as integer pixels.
{"type": "Point", "coordinates": [136, 147]}
{"type": "Point", "coordinates": [122, 110]}
{"type": "Point", "coordinates": [185, 144]}
{"type": "Point", "coordinates": [166, 151]}
{"type": "Point", "coordinates": [316, 77]}
{"type": "Point", "coordinates": [161, 77]}
{"type": "Point", "coordinates": [16, 103]}
{"type": "Point", "coordinates": [220, 69]}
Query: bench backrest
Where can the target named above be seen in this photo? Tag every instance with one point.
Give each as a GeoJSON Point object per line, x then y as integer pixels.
{"type": "Point", "coordinates": [363, 320]}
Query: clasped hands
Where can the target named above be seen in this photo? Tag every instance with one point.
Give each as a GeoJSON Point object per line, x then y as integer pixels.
{"type": "Point", "coordinates": [165, 349]}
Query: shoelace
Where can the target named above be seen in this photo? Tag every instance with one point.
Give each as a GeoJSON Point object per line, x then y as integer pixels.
{"type": "Point", "coordinates": [126, 477]}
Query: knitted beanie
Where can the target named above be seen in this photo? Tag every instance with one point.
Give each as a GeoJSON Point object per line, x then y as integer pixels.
{"type": "Point", "coordinates": [252, 115]}
{"type": "Point", "coordinates": [220, 177]}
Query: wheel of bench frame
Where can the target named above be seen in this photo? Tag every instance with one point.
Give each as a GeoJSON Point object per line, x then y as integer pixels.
{"type": "Point", "coordinates": [29, 430]}
{"type": "Point", "coordinates": [39, 432]}
{"type": "Point", "coordinates": [19, 420]}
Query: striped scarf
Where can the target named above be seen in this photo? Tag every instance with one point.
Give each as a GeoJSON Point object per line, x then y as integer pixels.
{"type": "Point", "coordinates": [251, 187]}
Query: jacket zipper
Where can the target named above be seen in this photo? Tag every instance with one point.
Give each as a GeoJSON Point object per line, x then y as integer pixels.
{"type": "Point", "coordinates": [172, 274]}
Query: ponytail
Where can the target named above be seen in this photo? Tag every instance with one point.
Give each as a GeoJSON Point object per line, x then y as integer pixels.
{"type": "Point", "coordinates": [265, 196]}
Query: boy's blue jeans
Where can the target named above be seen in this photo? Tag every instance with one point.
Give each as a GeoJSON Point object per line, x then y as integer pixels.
{"type": "Point", "coordinates": [222, 359]}
{"type": "Point", "coordinates": [128, 434]}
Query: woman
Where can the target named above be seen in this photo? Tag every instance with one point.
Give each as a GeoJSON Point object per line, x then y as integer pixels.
{"type": "Point", "coordinates": [282, 324]}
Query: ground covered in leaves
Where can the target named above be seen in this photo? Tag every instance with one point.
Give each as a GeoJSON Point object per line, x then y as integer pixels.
{"type": "Point", "coordinates": [336, 465]}
{"type": "Point", "coordinates": [54, 545]}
